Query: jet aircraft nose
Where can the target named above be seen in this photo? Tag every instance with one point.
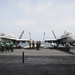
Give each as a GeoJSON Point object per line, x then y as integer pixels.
{"type": "Point", "coordinates": [73, 39]}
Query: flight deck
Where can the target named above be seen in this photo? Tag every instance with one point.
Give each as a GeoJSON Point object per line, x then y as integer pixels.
{"type": "Point", "coordinates": [45, 61]}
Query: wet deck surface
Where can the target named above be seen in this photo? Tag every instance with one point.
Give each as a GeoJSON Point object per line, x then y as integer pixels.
{"type": "Point", "coordinates": [38, 62]}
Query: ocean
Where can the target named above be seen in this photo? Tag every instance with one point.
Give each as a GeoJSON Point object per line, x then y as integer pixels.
{"type": "Point", "coordinates": [43, 43]}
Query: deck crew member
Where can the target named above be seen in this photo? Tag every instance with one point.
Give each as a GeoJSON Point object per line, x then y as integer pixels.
{"type": "Point", "coordinates": [33, 44]}
{"type": "Point", "coordinates": [29, 44]}
{"type": "Point", "coordinates": [7, 46]}
{"type": "Point", "coordinates": [37, 45]}
{"type": "Point", "coordinates": [2, 46]}
{"type": "Point", "coordinates": [11, 46]}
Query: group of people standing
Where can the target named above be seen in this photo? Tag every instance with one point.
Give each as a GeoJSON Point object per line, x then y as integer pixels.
{"type": "Point", "coordinates": [34, 44]}
{"type": "Point", "coordinates": [6, 46]}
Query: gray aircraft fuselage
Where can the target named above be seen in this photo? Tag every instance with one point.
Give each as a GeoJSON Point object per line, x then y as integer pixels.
{"type": "Point", "coordinates": [70, 38]}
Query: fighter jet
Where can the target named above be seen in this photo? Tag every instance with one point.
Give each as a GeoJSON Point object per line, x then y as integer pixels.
{"type": "Point", "coordinates": [6, 37]}
{"type": "Point", "coordinates": [66, 40]}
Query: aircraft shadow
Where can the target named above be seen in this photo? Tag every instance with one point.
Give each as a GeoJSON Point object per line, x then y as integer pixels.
{"type": "Point", "coordinates": [61, 49]}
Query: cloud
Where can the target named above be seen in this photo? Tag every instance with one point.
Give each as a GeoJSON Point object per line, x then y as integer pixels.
{"type": "Point", "coordinates": [66, 6]}
{"type": "Point", "coordinates": [39, 16]}
{"type": "Point", "coordinates": [38, 8]}
{"type": "Point", "coordinates": [48, 12]}
{"type": "Point", "coordinates": [63, 16]}
{"type": "Point", "coordinates": [25, 22]}
{"type": "Point", "coordinates": [47, 9]}
{"type": "Point", "coordinates": [44, 7]}
{"type": "Point", "coordinates": [25, 6]}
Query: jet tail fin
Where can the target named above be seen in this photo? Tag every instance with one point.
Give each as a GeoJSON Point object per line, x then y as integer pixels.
{"type": "Point", "coordinates": [54, 34]}
{"type": "Point", "coordinates": [21, 34]}
{"type": "Point", "coordinates": [65, 32]}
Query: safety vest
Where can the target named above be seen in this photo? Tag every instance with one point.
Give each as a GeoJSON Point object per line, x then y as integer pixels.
{"type": "Point", "coordinates": [7, 44]}
{"type": "Point", "coordinates": [11, 44]}
{"type": "Point", "coordinates": [2, 44]}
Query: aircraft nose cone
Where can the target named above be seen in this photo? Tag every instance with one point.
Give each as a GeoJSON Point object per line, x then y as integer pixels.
{"type": "Point", "coordinates": [73, 39]}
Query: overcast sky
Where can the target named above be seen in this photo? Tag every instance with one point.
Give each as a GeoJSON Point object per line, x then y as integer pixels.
{"type": "Point", "coordinates": [37, 17]}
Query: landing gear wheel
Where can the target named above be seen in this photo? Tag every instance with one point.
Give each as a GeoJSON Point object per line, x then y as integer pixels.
{"type": "Point", "coordinates": [67, 49]}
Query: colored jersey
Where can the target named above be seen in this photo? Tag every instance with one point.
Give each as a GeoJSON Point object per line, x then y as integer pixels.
{"type": "Point", "coordinates": [7, 44]}
{"type": "Point", "coordinates": [2, 44]}
{"type": "Point", "coordinates": [11, 44]}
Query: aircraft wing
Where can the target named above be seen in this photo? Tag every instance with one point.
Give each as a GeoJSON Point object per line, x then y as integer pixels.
{"type": "Point", "coordinates": [51, 40]}
{"type": "Point", "coordinates": [22, 40]}
{"type": "Point", "coordinates": [7, 38]}
{"type": "Point", "coordinates": [59, 40]}
{"type": "Point", "coordinates": [14, 39]}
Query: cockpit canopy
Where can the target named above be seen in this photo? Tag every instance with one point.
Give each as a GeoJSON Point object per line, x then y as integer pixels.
{"type": "Point", "coordinates": [67, 34]}
{"type": "Point", "coordinates": [2, 34]}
